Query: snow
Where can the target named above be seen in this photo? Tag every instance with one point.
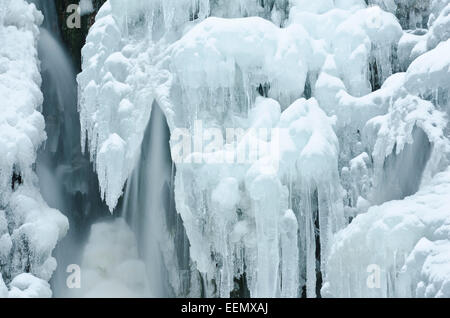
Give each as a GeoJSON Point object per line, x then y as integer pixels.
{"type": "Point", "coordinates": [29, 229]}
{"type": "Point", "coordinates": [113, 153]}
{"type": "Point", "coordinates": [255, 46]}
{"type": "Point", "coordinates": [22, 125]}
{"type": "Point", "coordinates": [430, 70]}
{"type": "Point", "coordinates": [426, 271]}
{"type": "Point", "coordinates": [28, 286]}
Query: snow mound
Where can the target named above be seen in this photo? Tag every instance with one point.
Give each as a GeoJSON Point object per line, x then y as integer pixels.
{"type": "Point", "coordinates": [27, 286]}
{"type": "Point", "coordinates": [212, 52]}
{"type": "Point", "coordinates": [426, 272]}
{"type": "Point", "coordinates": [430, 71]}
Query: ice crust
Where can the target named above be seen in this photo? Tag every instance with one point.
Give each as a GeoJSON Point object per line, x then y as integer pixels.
{"type": "Point", "coordinates": [356, 98]}
{"type": "Point", "coordinates": [29, 229]}
{"type": "Point", "coordinates": [407, 238]}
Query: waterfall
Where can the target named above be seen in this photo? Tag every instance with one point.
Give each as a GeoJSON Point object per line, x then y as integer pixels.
{"type": "Point", "coordinates": [69, 183]}
{"type": "Point", "coordinates": [67, 180]}
{"type": "Point", "coordinates": [358, 179]}
{"type": "Point", "coordinates": [48, 9]}
{"type": "Point", "coordinates": [149, 208]}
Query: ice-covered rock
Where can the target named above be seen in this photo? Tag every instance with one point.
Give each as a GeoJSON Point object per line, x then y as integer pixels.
{"type": "Point", "coordinates": [29, 229]}
{"type": "Point", "coordinates": [285, 116]}
{"type": "Point", "coordinates": [28, 286]}
{"type": "Point", "coordinates": [404, 239]}
{"type": "Point", "coordinates": [426, 272]}
{"type": "Point", "coordinates": [410, 143]}
{"type": "Point", "coordinates": [430, 71]}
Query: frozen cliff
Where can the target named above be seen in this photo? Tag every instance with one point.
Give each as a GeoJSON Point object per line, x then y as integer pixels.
{"type": "Point", "coordinates": [291, 123]}
{"type": "Point", "coordinates": [262, 148]}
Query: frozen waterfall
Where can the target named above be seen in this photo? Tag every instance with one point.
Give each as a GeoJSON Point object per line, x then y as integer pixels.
{"type": "Point", "coordinates": [226, 148]}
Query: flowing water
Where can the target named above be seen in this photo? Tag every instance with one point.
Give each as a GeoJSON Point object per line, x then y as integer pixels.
{"type": "Point", "coordinates": [67, 180]}
{"type": "Point", "coordinates": [148, 204]}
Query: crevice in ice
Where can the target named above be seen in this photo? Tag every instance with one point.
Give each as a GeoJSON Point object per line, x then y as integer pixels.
{"type": "Point", "coordinates": [16, 179]}
{"type": "Point", "coordinates": [308, 90]}
{"type": "Point", "coordinates": [402, 172]}
{"type": "Point", "coordinates": [240, 287]}
{"type": "Point", "coordinates": [263, 89]}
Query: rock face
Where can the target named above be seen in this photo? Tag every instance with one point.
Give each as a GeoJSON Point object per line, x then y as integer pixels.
{"type": "Point", "coordinates": [75, 38]}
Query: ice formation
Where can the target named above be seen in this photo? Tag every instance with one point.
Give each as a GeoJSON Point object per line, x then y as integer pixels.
{"type": "Point", "coordinates": [407, 238]}
{"type": "Point", "coordinates": [355, 97]}
{"type": "Point", "coordinates": [29, 229]}
{"type": "Point", "coordinates": [309, 143]}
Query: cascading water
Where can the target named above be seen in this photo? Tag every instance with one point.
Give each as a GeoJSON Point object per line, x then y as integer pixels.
{"type": "Point", "coordinates": [67, 181]}
{"type": "Point", "coordinates": [149, 208]}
